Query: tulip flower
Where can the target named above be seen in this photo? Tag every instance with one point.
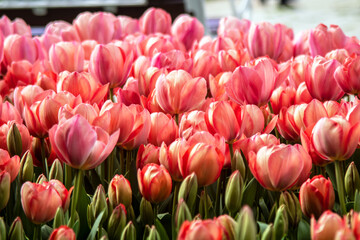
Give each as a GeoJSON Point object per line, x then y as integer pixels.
{"type": "Point", "coordinates": [67, 56]}
{"type": "Point", "coordinates": [163, 129]}
{"type": "Point", "coordinates": [62, 233]}
{"type": "Point", "coordinates": [280, 167]}
{"type": "Point", "coordinates": [17, 48]}
{"type": "Point", "coordinates": [11, 165]}
{"type": "Point", "coordinates": [233, 27]}
{"type": "Point", "coordinates": [205, 64]}
{"type": "Point", "coordinates": [187, 30]}
{"type": "Point", "coordinates": [71, 135]}
{"type": "Point", "coordinates": [327, 226]}
{"type": "Point", "coordinates": [127, 26]}
{"type": "Point", "coordinates": [153, 44]}
{"type": "Point", "coordinates": [255, 142]}
{"type": "Point", "coordinates": [155, 20]}
{"type": "Point", "coordinates": [4, 188]}
{"type": "Point", "coordinates": [338, 54]}
{"type": "Point", "coordinates": [201, 229]}
{"type": "Point", "coordinates": [148, 153]}
{"type": "Point", "coordinates": [119, 191]}
{"type": "Point", "coordinates": [172, 60]}
{"type": "Point", "coordinates": [217, 85]}
{"type": "Point", "coordinates": [282, 97]}
{"type": "Point", "coordinates": [347, 75]}
{"type": "Point", "coordinates": [64, 30]}
{"type": "Point", "coordinates": [302, 94]}
{"type": "Point", "coordinates": [316, 196]}
{"type": "Point", "coordinates": [154, 183]}
{"type": "Point", "coordinates": [147, 79]}
{"type": "Point", "coordinates": [178, 92]}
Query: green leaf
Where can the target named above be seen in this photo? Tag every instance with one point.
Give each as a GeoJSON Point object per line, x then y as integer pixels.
{"type": "Point", "coordinates": [46, 231]}
{"type": "Point", "coordinates": [83, 202]}
{"type": "Point", "coordinates": [303, 232]}
{"type": "Point", "coordinates": [357, 201]}
{"type": "Point", "coordinates": [250, 193]}
{"type": "Point", "coordinates": [163, 215]}
{"type": "Point", "coordinates": [95, 227]}
{"type": "Point", "coordinates": [262, 227]}
{"type": "Point", "coordinates": [161, 230]}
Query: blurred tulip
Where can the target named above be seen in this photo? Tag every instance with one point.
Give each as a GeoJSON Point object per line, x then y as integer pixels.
{"type": "Point", "coordinates": [163, 129]}
{"type": "Point", "coordinates": [127, 26]}
{"type": "Point", "coordinates": [327, 225]}
{"type": "Point", "coordinates": [155, 20]}
{"type": "Point", "coordinates": [154, 183]}
{"type": "Point", "coordinates": [347, 75]}
{"type": "Point", "coordinates": [63, 233]}
{"type": "Point", "coordinates": [4, 188]}
{"type": "Point", "coordinates": [316, 196]}
{"type": "Point", "coordinates": [233, 192]}
{"type": "Point", "coordinates": [64, 30]}
{"type": "Point", "coordinates": [17, 48]}
{"type": "Point", "coordinates": [233, 27]}
{"type": "Point", "coordinates": [352, 181]}
{"type": "Point", "coordinates": [119, 191]}
{"type": "Point", "coordinates": [187, 30]}
{"type": "Point", "coordinates": [20, 73]}
{"type": "Point", "coordinates": [254, 120]}
{"type": "Point", "coordinates": [172, 60]}
{"type": "Point", "coordinates": [96, 144]}
{"type": "Point", "coordinates": [338, 54]}
{"type": "Point", "coordinates": [129, 93]}
{"type": "Point", "coordinates": [16, 231]}
{"type": "Point", "coordinates": [66, 56]}
{"type": "Point", "coordinates": [98, 205]}
{"type": "Point", "coordinates": [246, 226]}
{"type": "Point", "coordinates": [200, 230]}
{"type": "Point", "coordinates": [205, 64]}
{"type": "Point", "coordinates": [178, 92]}
{"type": "Point", "coordinates": [293, 209]}
{"type": "Point", "coordinates": [280, 167]}
{"type": "Point", "coordinates": [25, 137]}
{"type": "Point", "coordinates": [117, 221]}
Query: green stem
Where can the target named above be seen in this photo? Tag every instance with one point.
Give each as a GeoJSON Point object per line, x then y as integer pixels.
{"type": "Point", "coordinates": [111, 94]}
{"type": "Point", "coordinates": [68, 176]}
{"type": "Point", "coordinates": [156, 209]}
{"type": "Point", "coordinates": [122, 161]}
{"type": "Point", "coordinates": [339, 172]}
{"type": "Point", "coordinates": [220, 181]}
{"type": "Point", "coordinates": [175, 197]}
{"type": "Point", "coordinates": [177, 119]}
{"type": "Point", "coordinates": [231, 150]}
{"type": "Point", "coordinates": [37, 232]}
{"type": "Point", "coordinates": [206, 204]}
{"type": "Point", "coordinates": [43, 158]}
{"type": "Point", "coordinates": [128, 164]}
{"type": "Point", "coordinates": [110, 163]}
{"type": "Point", "coordinates": [75, 198]}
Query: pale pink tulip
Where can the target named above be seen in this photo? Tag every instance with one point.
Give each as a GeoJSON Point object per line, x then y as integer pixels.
{"type": "Point", "coordinates": [155, 20]}
{"type": "Point", "coordinates": [338, 54]}
{"type": "Point", "coordinates": [88, 46]}
{"type": "Point", "coordinates": [67, 56]}
{"type": "Point", "coordinates": [187, 30]}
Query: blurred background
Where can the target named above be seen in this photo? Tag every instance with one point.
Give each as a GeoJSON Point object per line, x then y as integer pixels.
{"type": "Point", "coordinates": [297, 14]}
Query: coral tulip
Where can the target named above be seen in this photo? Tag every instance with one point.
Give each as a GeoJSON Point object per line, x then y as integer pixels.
{"type": "Point", "coordinates": [63, 233]}
{"type": "Point", "coordinates": [201, 229]}
{"type": "Point", "coordinates": [327, 226]}
{"type": "Point", "coordinates": [147, 154]}
{"type": "Point", "coordinates": [11, 165]}
{"type": "Point", "coordinates": [163, 129]}
{"type": "Point", "coordinates": [67, 56]}
{"type": "Point", "coordinates": [17, 48]}
{"type": "Point", "coordinates": [347, 75]}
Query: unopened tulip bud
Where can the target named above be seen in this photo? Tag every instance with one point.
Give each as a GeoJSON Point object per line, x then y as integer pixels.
{"type": "Point", "coordinates": [205, 204]}
{"type": "Point", "coordinates": [97, 205]}
{"type": "Point", "coordinates": [293, 208]}
{"type": "Point", "coordinates": [268, 233]}
{"type": "Point", "coordinates": [2, 229]}
{"type": "Point", "coordinates": [119, 191]}
{"type": "Point", "coordinates": [182, 214]}
{"type": "Point", "coordinates": [146, 211]}
{"type": "Point", "coordinates": [228, 224]}
{"type": "Point", "coordinates": [117, 222]}
{"type": "Point", "coordinates": [281, 223]}
{"type": "Point", "coordinates": [41, 179]}
{"type": "Point", "coordinates": [129, 232]}
{"type": "Point", "coordinates": [63, 233]}
{"type": "Point", "coordinates": [352, 181]}
{"type": "Point", "coordinates": [239, 163]}
{"type": "Point", "coordinates": [233, 192]}
{"type": "Point", "coordinates": [188, 190]}
{"type": "Point", "coordinates": [4, 189]}
{"type": "Point", "coordinates": [13, 141]}
{"type": "Point", "coordinates": [26, 172]}
{"type": "Point", "coordinates": [59, 218]}
{"type": "Point", "coordinates": [246, 226]}
{"type": "Point", "coordinates": [16, 231]}
{"type": "Point", "coordinates": [56, 171]}
{"type": "Point", "coordinates": [104, 237]}
{"type": "Point", "coordinates": [153, 234]}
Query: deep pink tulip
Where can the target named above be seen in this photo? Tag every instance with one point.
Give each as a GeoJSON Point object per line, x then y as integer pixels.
{"type": "Point", "coordinates": [252, 85]}
{"type": "Point", "coordinates": [280, 167]}
{"type": "Point", "coordinates": [316, 195]}
{"type": "Point", "coordinates": [348, 75]}
{"type": "Point", "coordinates": [187, 30]}
{"type": "Point", "coordinates": [17, 48]}
{"type": "Point", "coordinates": [9, 164]}
{"type": "Point", "coordinates": [63, 233]}
{"type": "Point", "coordinates": [155, 20]}
{"type": "Point", "coordinates": [201, 229]}
{"type": "Point", "coordinates": [74, 134]}
{"type": "Point", "coordinates": [154, 183]}
{"type": "Point", "coordinates": [163, 129]}
{"type": "Point", "coordinates": [179, 92]}
{"type": "Point", "coordinates": [335, 138]}
{"type": "Point", "coordinates": [109, 64]}
{"type": "Point", "coordinates": [327, 226]}
{"type": "Point", "coordinates": [66, 56]}
{"type": "Point", "coordinates": [147, 154]}
{"type": "Point", "coordinates": [320, 79]}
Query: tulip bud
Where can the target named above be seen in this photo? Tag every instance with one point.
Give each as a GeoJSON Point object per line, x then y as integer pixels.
{"type": "Point", "coordinates": [119, 191]}
{"type": "Point", "coordinates": [239, 163]}
{"type": "Point", "coordinates": [228, 224]}
{"type": "Point", "coordinates": [205, 204]}
{"type": "Point", "coordinates": [268, 233]}
{"type": "Point", "coordinates": [117, 222]}
{"type": "Point", "coordinates": [153, 234]}
{"type": "Point", "coordinates": [293, 208]}
{"type": "Point", "coordinates": [26, 172]}
{"type": "Point", "coordinates": [63, 232]}
{"type": "Point", "coordinates": [182, 214]}
{"type": "Point", "coordinates": [281, 223]}
{"type": "Point", "coordinates": [4, 189]}
{"type": "Point", "coordinates": [2, 229]}
{"type": "Point", "coordinates": [352, 181]}
{"type": "Point", "coordinates": [41, 179]}
{"type": "Point", "coordinates": [16, 231]}
{"type": "Point", "coordinates": [233, 192]}
{"type": "Point", "coordinates": [188, 190]}
{"type": "Point", "coordinates": [146, 212]}
{"type": "Point", "coordinates": [129, 232]}
{"type": "Point", "coordinates": [59, 218]}
{"type": "Point", "coordinates": [97, 205]}
{"type": "Point", "coordinates": [56, 171]}
{"type": "Point", "coordinates": [246, 226]}
{"type": "Point", "coordinates": [13, 141]}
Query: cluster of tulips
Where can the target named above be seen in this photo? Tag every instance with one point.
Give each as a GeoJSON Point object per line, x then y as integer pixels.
{"type": "Point", "coordinates": [122, 128]}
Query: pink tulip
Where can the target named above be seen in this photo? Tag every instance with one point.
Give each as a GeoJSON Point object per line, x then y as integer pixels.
{"type": "Point", "coordinates": [255, 142]}
{"type": "Point", "coordinates": [163, 129]}
{"type": "Point", "coordinates": [67, 56]}
{"type": "Point", "coordinates": [17, 26]}
{"type": "Point", "coordinates": [290, 121]}
{"type": "Point", "coordinates": [280, 167]}
{"type": "Point", "coordinates": [205, 64]}
{"type": "Point", "coordinates": [154, 183]}
{"type": "Point", "coordinates": [187, 30]}
{"type": "Point", "coordinates": [255, 121]}
{"type": "Point", "coordinates": [234, 28]}
{"type": "Point", "coordinates": [178, 92]}
{"type": "Point", "coordinates": [335, 138]}
{"type": "Point", "coordinates": [215, 45]}
{"type": "Point", "coordinates": [17, 48]}
{"type": "Point", "coordinates": [147, 154]}
{"type": "Point", "coordinates": [327, 226]}
{"type": "Point", "coordinates": [62, 29]}
{"type": "Point", "coordinates": [172, 60]}
{"type": "Point", "coordinates": [20, 73]}
{"type": "Point", "coordinates": [192, 122]}
{"type": "Point", "coordinates": [316, 195]}
{"type": "Point", "coordinates": [155, 20]}
{"type": "Point", "coordinates": [10, 165]}
{"type": "Point", "coordinates": [147, 79]}
{"type": "Point", "coordinates": [9, 113]}
{"type": "Point", "coordinates": [217, 85]}
{"type": "Point", "coordinates": [320, 79]}
{"type": "Point", "coordinates": [338, 54]}
{"type": "Point", "coordinates": [347, 75]}
{"type": "Point", "coordinates": [129, 93]}
{"type": "Point", "coordinates": [153, 44]}
{"type": "Point", "coordinates": [89, 112]}
{"type": "Point", "coordinates": [226, 120]}
{"type": "Point", "coordinates": [252, 85]}
{"type": "Point", "coordinates": [298, 69]}
{"type": "Point", "coordinates": [1, 46]}
{"type": "Point", "coordinates": [232, 58]}
{"type": "Point", "coordinates": [88, 46]}
{"type": "Point", "coordinates": [127, 26]}
{"type": "Point", "coordinates": [201, 229]}
{"type": "Point", "coordinates": [109, 64]}
{"type": "Point", "coordinates": [71, 135]}
{"type": "Point", "coordinates": [302, 94]}
{"type": "Point", "coordinates": [63, 233]}
{"type": "Point", "coordinates": [282, 97]}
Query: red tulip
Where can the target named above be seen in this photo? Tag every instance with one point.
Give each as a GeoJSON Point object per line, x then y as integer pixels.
{"type": "Point", "coordinates": [187, 30]}
{"type": "Point", "coordinates": [335, 138]}
{"type": "Point", "coordinates": [347, 75]}
{"type": "Point", "coordinates": [81, 145]}
{"type": "Point", "coordinates": [63, 233]}
{"type": "Point", "coordinates": [147, 154]}
{"type": "Point", "coordinates": [252, 85]}
{"type": "Point", "coordinates": [316, 195]}
{"type": "Point", "coordinates": [200, 229]}
{"type": "Point", "coordinates": [178, 92]}
{"type": "Point", "coordinates": [119, 191]}
{"type": "Point", "coordinates": [155, 20]}
{"type": "Point", "coordinates": [10, 165]}
{"type": "Point", "coordinates": [280, 167]}
{"type": "Point", "coordinates": [163, 129]}
{"type": "Point", "coordinates": [66, 56]}
{"type": "Point", "coordinates": [154, 183]}
{"type": "Point", "coordinates": [327, 226]}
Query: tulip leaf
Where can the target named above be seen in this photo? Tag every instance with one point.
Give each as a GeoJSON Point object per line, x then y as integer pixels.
{"type": "Point", "coordinates": [330, 170]}
{"type": "Point", "coordinates": [83, 202]}
{"type": "Point", "coordinates": [357, 201]}
{"type": "Point", "coordinates": [161, 230]}
{"type": "Point", "coordinates": [95, 227]}
{"type": "Point", "coordinates": [262, 227]}
{"type": "Point", "coordinates": [46, 231]}
{"type": "Point", "coordinates": [250, 193]}
{"type": "Point", "coordinates": [303, 232]}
